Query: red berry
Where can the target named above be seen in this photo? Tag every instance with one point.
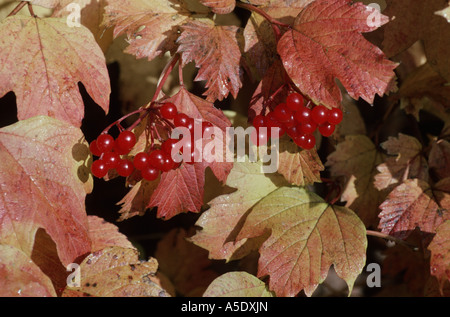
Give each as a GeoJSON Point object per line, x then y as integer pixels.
{"type": "Point", "coordinates": [150, 173]}
{"type": "Point", "coordinates": [94, 149]}
{"type": "Point", "coordinates": [168, 145]}
{"type": "Point", "coordinates": [141, 161]}
{"type": "Point", "coordinates": [207, 129]}
{"type": "Point", "coordinates": [111, 159]}
{"type": "Point", "coordinates": [308, 127]}
{"type": "Point", "coordinates": [335, 116]}
{"type": "Point", "coordinates": [294, 101]}
{"type": "Point", "coordinates": [326, 129]}
{"type": "Point", "coordinates": [302, 115]}
{"type": "Point", "coordinates": [168, 110]}
{"type": "Point", "coordinates": [105, 143]}
{"type": "Point", "coordinates": [181, 120]}
{"type": "Point", "coordinates": [319, 114]}
{"type": "Point", "coordinates": [99, 169]}
{"type": "Point", "coordinates": [156, 159]}
{"type": "Point", "coordinates": [259, 121]}
{"type": "Point", "coordinates": [125, 141]}
{"type": "Point", "coordinates": [125, 168]}
{"type": "Point", "coordinates": [259, 136]}
{"type": "Point", "coordinates": [305, 141]}
{"type": "Point", "coordinates": [271, 122]}
{"type": "Point", "coordinates": [168, 164]}
{"type": "Point", "coordinates": [293, 131]}
{"type": "Point", "coordinates": [282, 113]}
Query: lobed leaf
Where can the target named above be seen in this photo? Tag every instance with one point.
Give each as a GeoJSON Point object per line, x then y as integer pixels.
{"type": "Point", "coordinates": [237, 284]}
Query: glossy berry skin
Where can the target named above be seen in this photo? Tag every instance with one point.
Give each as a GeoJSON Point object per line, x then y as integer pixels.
{"type": "Point", "coordinates": [125, 141]}
{"type": "Point", "coordinates": [293, 131]}
{"type": "Point", "coordinates": [294, 101]}
{"type": "Point", "coordinates": [259, 137]}
{"type": "Point", "coordinates": [156, 159]}
{"type": "Point", "coordinates": [125, 168]}
{"type": "Point", "coordinates": [319, 114]}
{"type": "Point", "coordinates": [99, 169]}
{"type": "Point", "coordinates": [105, 143]}
{"type": "Point", "coordinates": [335, 116]}
{"type": "Point", "coordinates": [94, 149]}
{"type": "Point", "coordinates": [282, 113]}
{"type": "Point", "coordinates": [259, 121]}
{"type": "Point", "coordinates": [141, 160]}
{"type": "Point", "coordinates": [111, 159]}
{"type": "Point", "coordinates": [150, 173]}
{"type": "Point", "coordinates": [271, 122]}
{"type": "Point", "coordinates": [168, 145]}
{"type": "Point", "coordinates": [308, 127]}
{"type": "Point", "coordinates": [168, 110]}
{"type": "Point", "coordinates": [303, 115]}
{"type": "Point", "coordinates": [327, 129]}
{"type": "Point", "coordinates": [181, 120]}
{"type": "Point", "coordinates": [305, 141]}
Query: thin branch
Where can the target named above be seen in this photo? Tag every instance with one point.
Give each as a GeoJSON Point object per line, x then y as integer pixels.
{"type": "Point", "coordinates": [391, 238]}
{"type": "Point", "coordinates": [18, 8]}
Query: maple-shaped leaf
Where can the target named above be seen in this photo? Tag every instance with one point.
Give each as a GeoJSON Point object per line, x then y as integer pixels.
{"type": "Point", "coordinates": [117, 272]}
{"type": "Point", "coordinates": [408, 163]}
{"type": "Point", "coordinates": [151, 26]}
{"type": "Point", "coordinates": [325, 43]}
{"type": "Point", "coordinates": [414, 203]}
{"type": "Point", "coordinates": [19, 276]}
{"type": "Point", "coordinates": [206, 44]}
{"type": "Point", "coordinates": [44, 84]}
{"type": "Point", "coordinates": [55, 196]}
{"type": "Point", "coordinates": [185, 264]}
{"type": "Point", "coordinates": [237, 284]}
{"type": "Point", "coordinates": [356, 159]}
{"type": "Point", "coordinates": [307, 236]}
{"type": "Point", "coordinates": [420, 21]}
{"type": "Point", "coordinates": [135, 202]}
{"type": "Point", "coordinates": [439, 158]}
{"type": "Point", "coordinates": [220, 6]}
{"type": "Point", "coordinates": [299, 167]}
{"type": "Point", "coordinates": [224, 215]}
{"type": "Point", "coordinates": [440, 254]}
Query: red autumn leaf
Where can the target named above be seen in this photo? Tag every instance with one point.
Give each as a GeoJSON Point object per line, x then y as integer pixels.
{"type": "Point", "coordinates": [151, 26]}
{"type": "Point", "coordinates": [205, 43]}
{"type": "Point", "coordinates": [413, 204]}
{"type": "Point", "coordinates": [45, 84]}
{"type": "Point", "coordinates": [326, 43]}
{"type": "Point", "coordinates": [104, 234]}
{"type": "Point", "coordinates": [440, 254]}
{"type": "Point", "coordinates": [55, 196]}
{"type": "Point", "coordinates": [220, 6]}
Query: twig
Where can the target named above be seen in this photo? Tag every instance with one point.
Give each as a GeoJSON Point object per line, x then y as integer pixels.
{"type": "Point", "coordinates": [18, 8]}
{"type": "Point", "coordinates": [391, 238]}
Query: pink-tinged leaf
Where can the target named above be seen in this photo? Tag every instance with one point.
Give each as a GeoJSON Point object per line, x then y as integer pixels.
{"type": "Point", "coordinates": [151, 26]}
{"type": "Point", "coordinates": [205, 44]}
{"type": "Point", "coordinates": [307, 236]}
{"type": "Point", "coordinates": [20, 277]}
{"type": "Point", "coordinates": [220, 6]}
{"type": "Point", "coordinates": [237, 284]}
{"type": "Point", "coordinates": [413, 204]}
{"type": "Point", "coordinates": [41, 188]}
{"type": "Point", "coordinates": [326, 43]}
{"type": "Point", "coordinates": [104, 234]}
{"type": "Point", "coordinates": [440, 254]}
{"type": "Point", "coordinates": [44, 84]}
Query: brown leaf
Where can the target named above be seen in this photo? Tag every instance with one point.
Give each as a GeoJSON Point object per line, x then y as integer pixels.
{"type": "Point", "coordinates": [326, 43]}
{"type": "Point", "coordinates": [415, 204]}
{"type": "Point", "coordinates": [439, 158]}
{"type": "Point", "coordinates": [220, 6]}
{"type": "Point", "coordinates": [37, 159]}
{"type": "Point", "coordinates": [440, 254]}
{"type": "Point", "coordinates": [204, 43]}
{"type": "Point", "coordinates": [44, 84]}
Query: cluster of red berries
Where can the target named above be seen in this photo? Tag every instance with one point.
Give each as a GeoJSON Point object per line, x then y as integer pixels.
{"type": "Point", "coordinates": [151, 163]}
{"type": "Point", "coordinates": [298, 121]}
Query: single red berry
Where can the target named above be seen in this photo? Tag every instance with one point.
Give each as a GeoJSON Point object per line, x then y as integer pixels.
{"type": "Point", "coordinates": [335, 116]}
{"type": "Point", "coordinates": [168, 110]}
{"type": "Point", "coordinates": [305, 141]}
{"type": "Point", "coordinates": [259, 136]}
{"type": "Point", "coordinates": [319, 114]}
{"type": "Point", "coordinates": [326, 129]}
{"type": "Point", "coordinates": [111, 159]}
{"type": "Point", "coordinates": [156, 159]}
{"type": "Point", "coordinates": [282, 113]}
{"type": "Point", "coordinates": [181, 120]}
{"type": "Point", "coordinates": [125, 168]}
{"type": "Point", "coordinates": [141, 160]}
{"type": "Point", "coordinates": [294, 101]}
{"type": "Point", "coordinates": [99, 169]}
{"type": "Point", "coordinates": [271, 122]}
{"type": "Point", "coordinates": [105, 143]}
{"type": "Point", "coordinates": [308, 127]}
{"type": "Point", "coordinates": [259, 121]}
{"type": "Point", "coordinates": [168, 145]}
{"type": "Point", "coordinates": [150, 173]}
{"type": "Point", "coordinates": [94, 149]}
{"type": "Point", "coordinates": [168, 164]}
{"type": "Point", "coordinates": [293, 131]}
{"type": "Point", "coordinates": [125, 141]}
{"type": "Point", "coordinates": [302, 115]}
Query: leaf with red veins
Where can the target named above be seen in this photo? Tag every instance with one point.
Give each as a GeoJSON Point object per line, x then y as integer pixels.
{"type": "Point", "coordinates": [215, 51]}
{"type": "Point", "coordinates": [413, 204]}
{"type": "Point", "coordinates": [151, 26]}
{"type": "Point", "coordinates": [180, 190]}
{"type": "Point", "coordinates": [40, 187]}
{"type": "Point", "coordinates": [440, 254]}
{"type": "Point", "coordinates": [325, 43]}
{"type": "Point", "coordinates": [220, 6]}
{"type": "Point", "coordinates": [44, 83]}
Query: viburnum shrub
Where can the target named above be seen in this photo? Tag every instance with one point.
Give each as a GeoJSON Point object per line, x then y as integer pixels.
{"type": "Point", "coordinates": [149, 195]}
